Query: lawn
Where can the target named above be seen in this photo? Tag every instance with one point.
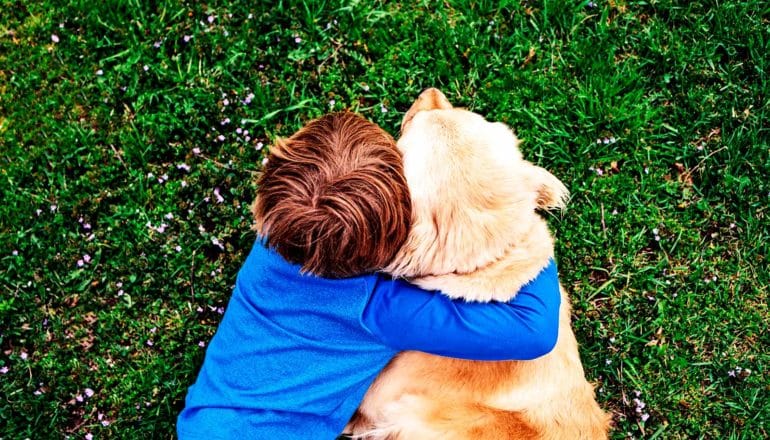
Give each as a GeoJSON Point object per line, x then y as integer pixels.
{"type": "Point", "coordinates": [131, 133]}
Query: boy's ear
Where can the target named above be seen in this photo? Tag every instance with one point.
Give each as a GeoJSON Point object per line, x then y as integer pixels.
{"type": "Point", "coordinates": [550, 192]}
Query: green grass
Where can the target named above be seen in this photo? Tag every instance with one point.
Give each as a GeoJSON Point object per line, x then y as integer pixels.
{"type": "Point", "coordinates": [664, 246]}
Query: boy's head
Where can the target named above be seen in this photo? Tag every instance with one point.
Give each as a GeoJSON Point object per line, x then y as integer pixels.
{"type": "Point", "coordinates": [333, 197]}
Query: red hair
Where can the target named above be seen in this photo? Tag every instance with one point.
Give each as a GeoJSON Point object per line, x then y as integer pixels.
{"type": "Point", "coordinates": [333, 197]}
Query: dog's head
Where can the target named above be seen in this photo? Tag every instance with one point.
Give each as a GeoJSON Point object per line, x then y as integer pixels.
{"type": "Point", "coordinates": [473, 195]}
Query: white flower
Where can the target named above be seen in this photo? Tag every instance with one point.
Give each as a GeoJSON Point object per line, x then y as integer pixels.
{"type": "Point", "coordinates": [99, 72]}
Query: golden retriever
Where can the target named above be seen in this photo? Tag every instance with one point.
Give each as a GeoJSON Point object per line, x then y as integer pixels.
{"type": "Point", "coordinates": [476, 235]}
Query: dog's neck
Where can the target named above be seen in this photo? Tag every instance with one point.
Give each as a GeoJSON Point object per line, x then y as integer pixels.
{"type": "Point", "coordinates": [502, 278]}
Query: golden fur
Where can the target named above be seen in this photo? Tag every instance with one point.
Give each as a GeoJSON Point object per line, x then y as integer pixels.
{"type": "Point", "coordinates": [476, 235]}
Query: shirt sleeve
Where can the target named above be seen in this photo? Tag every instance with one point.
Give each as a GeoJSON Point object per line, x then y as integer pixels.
{"type": "Point", "coordinates": [406, 317]}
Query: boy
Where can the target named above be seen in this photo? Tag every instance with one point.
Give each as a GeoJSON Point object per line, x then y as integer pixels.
{"type": "Point", "coordinates": [309, 326]}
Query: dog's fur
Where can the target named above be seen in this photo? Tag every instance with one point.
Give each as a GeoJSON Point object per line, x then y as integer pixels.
{"type": "Point", "coordinates": [476, 235]}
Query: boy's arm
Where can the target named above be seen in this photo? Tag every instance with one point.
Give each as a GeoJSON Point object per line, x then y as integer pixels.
{"type": "Point", "coordinates": [406, 317]}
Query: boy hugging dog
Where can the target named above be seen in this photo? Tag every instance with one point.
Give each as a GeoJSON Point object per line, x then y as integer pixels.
{"type": "Point", "coordinates": [311, 321]}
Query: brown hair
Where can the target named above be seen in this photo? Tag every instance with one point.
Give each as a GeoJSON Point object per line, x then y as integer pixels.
{"type": "Point", "coordinates": [333, 197]}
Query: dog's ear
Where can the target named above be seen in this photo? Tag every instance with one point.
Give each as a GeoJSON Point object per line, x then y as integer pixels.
{"type": "Point", "coordinates": [550, 192]}
{"type": "Point", "coordinates": [429, 99]}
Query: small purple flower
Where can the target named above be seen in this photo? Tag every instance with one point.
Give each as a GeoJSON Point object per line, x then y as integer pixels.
{"type": "Point", "coordinates": [221, 138]}
{"type": "Point", "coordinates": [239, 130]}
{"type": "Point", "coordinates": [201, 344]}
{"type": "Point", "coordinates": [4, 370]}
{"type": "Point", "coordinates": [157, 44]}
{"type": "Point", "coordinates": [80, 263]}
{"type": "Point", "coordinates": [383, 109]}
{"type": "Point", "coordinates": [146, 67]}
{"type": "Point", "coordinates": [259, 145]}
{"type": "Point", "coordinates": [15, 253]}
{"type": "Point", "coordinates": [169, 216]}
{"type": "Point", "coordinates": [225, 102]}
{"type": "Point", "coordinates": [87, 226]}
{"type": "Point", "coordinates": [23, 355]}
{"type": "Point", "coordinates": [645, 416]}
{"type": "Point", "coordinates": [186, 38]}
{"type": "Point", "coordinates": [89, 436]}
{"type": "Point", "coordinates": [219, 197]}
{"type": "Point", "coordinates": [297, 40]}
{"type": "Point", "coordinates": [178, 248]}
{"type": "Point", "coordinates": [79, 398]}
{"type": "Point", "coordinates": [87, 258]}
{"type": "Point", "coordinates": [89, 392]}
{"type": "Point", "coordinates": [54, 38]}
{"type": "Point", "coordinates": [150, 343]}
{"type": "Point", "coordinates": [196, 151]}
{"type": "Point", "coordinates": [210, 18]}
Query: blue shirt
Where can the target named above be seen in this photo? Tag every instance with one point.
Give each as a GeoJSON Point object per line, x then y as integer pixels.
{"type": "Point", "coordinates": [295, 353]}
